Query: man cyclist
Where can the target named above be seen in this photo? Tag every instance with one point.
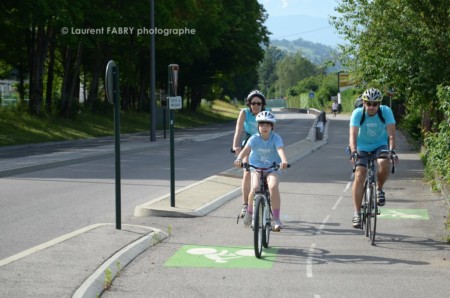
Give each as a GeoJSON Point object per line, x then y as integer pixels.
{"type": "Point", "coordinates": [265, 148]}
{"type": "Point", "coordinates": [246, 127]}
{"type": "Point", "coordinates": [372, 129]}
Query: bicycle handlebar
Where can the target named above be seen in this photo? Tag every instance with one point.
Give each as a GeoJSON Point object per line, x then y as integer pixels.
{"type": "Point", "coordinates": [247, 166]}
{"type": "Point", "coordinates": [380, 155]}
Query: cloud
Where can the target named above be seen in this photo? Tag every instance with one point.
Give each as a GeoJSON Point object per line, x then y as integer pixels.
{"type": "Point", "coordinates": [285, 3]}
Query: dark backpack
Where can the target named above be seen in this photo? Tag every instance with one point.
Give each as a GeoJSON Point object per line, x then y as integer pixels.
{"type": "Point", "coordinates": [380, 114]}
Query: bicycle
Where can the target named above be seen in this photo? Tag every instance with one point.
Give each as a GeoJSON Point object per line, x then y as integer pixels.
{"type": "Point", "coordinates": [369, 206]}
{"type": "Point", "coordinates": [262, 210]}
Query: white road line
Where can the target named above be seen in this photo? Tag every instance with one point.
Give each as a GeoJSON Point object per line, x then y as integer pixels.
{"type": "Point", "coordinates": [322, 225]}
{"type": "Point", "coordinates": [309, 260]}
{"type": "Point", "coordinates": [316, 296]}
{"type": "Point", "coordinates": [348, 186]}
{"type": "Point", "coordinates": [337, 202]}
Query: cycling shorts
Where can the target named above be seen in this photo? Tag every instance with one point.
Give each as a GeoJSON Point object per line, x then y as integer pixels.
{"type": "Point", "coordinates": [362, 156]}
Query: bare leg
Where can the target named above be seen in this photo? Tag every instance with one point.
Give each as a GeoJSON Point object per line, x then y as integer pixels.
{"type": "Point", "coordinates": [254, 187]}
{"type": "Point", "coordinates": [273, 183]}
{"type": "Point", "coordinates": [246, 183]}
{"type": "Point", "coordinates": [358, 187]}
{"type": "Point", "coordinates": [382, 173]}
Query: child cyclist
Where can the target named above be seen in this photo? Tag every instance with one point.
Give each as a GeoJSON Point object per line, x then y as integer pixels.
{"type": "Point", "coordinates": [265, 148]}
{"type": "Point", "coordinates": [246, 127]}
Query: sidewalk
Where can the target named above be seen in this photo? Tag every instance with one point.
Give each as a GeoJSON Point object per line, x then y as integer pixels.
{"type": "Point", "coordinates": [92, 256]}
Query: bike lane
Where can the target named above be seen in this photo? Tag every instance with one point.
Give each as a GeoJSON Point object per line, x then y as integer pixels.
{"type": "Point", "coordinates": [318, 254]}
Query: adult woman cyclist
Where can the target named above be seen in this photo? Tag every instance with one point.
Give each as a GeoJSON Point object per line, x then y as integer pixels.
{"type": "Point", "coordinates": [246, 126]}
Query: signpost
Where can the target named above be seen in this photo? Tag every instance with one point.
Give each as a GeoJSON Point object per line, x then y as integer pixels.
{"type": "Point", "coordinates": [391, 93]}
{"type": "Point", "coordinates": [112, 94]}
{"type": "Point", "coordinates": [174, 102]}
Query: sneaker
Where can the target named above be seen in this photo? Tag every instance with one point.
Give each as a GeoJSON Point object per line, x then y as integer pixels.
{"type": "Point", "coordinates": [278, 225]}
{"type": "Point", "coordinates": [381, 198]}
{"type": "Point", "coordinates": [356, 222]}
{"type": "Point", "coordinates": [243, 211]}
{"type": "Point", "coordinates": [247, 219]}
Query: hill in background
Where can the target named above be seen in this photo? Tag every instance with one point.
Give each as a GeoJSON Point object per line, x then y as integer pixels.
{"type": "Point", "coordinates": [315, 52]}
{"type": "Point", "coordinates": [315, 29]}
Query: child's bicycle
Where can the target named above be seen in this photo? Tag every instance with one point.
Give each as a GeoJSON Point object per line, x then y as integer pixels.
{"type": "Point", "coordinates": [262, 211]}
{"type": "Point", "coordinates": [369, 206]}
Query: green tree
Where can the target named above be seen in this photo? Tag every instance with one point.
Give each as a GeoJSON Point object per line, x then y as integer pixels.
{"type": "Point", "coordinates": [267, 70]}
{"type": "Point", "coordinates": [403, 44]}
{"type": "Point", "coordinates": [292, 69]}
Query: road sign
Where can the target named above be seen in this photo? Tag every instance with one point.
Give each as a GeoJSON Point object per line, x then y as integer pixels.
{"type": "Point", "coordinates": [311, 94]}
{"type": "Point", "coordinates": [175, 102]}
{"type": "Point", "coordinates": [111, 81]}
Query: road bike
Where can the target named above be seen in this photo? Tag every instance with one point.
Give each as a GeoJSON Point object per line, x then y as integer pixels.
{"type": "Point", "coordinates": [369, 206]}
{"type": "Point", "coordinates": [262, 211]}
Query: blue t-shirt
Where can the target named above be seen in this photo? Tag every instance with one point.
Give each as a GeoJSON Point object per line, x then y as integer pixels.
{"type": "Point", "coordinates": [250, 125]}
{"type": "Point", "coordinates": [264, 153]}
{"type": "Point", "coordinates": [372, 133]}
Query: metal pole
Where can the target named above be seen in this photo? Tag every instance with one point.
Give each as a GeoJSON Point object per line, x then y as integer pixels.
{"type": "Point", "coordinates": [172, 160]}
{"type": "Point", "coordinates": [339, 91]}
{"type": "Point", "coordinates": [171, 137]}
{"type": "Point", "coordinates": [117, 145]}
{"type": "Point", "coordinates": [152, 73]}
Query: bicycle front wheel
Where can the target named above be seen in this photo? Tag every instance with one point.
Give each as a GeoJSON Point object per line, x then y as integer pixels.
{"type": "Point", "coordinates": [258, 225]}
{"type": "Point", "coordinates": [365, 223]}
{"type": "Point", "coordinates": [268, 226]}
{"type": "Point", "coordinates": [373, 211]}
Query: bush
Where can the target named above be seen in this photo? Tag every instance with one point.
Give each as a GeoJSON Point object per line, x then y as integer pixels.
{"type": "Point", "coordinates": [411, 127]}
{"type": "Point", "coordinates": [438, 143]}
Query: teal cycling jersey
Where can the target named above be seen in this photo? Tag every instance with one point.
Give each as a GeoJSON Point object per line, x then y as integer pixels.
{"type": "Point", "coordinates": [250, 125]}
{"type": "Point", "coordinates": [372, 133]}
{"type": "Point", "coordinates": [264, 153]}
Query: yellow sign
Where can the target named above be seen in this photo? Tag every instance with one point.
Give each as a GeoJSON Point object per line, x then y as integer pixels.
{"type": "Point", "coordinates": [344, 80]}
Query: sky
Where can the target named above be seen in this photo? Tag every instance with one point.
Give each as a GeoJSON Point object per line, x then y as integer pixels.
{"type": "Point", "coordinates": [314, 8]}
{"type": "Point", "coordinates": [306, 19]}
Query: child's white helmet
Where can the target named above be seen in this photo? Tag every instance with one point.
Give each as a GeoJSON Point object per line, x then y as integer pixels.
{"type": "Point", "coordinates": [266, 116]}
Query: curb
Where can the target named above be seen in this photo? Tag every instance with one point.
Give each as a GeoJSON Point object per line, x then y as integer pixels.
{"type": "Point", "coordinates": [98, 282]}
{"type": "Point", "coordinates": [158, 206]}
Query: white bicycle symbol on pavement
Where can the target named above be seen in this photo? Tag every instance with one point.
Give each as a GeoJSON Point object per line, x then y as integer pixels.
{"type": "Point", "coordinates": [397, 214]}
{"type": "Point", "coordinates": [221, 256]}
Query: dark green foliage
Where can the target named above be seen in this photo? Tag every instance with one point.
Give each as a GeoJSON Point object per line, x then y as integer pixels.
{"type": "Point", "coordinates": [47, 46]}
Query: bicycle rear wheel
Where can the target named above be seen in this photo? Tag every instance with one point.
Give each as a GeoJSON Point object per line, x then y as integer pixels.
{"type": "Point", "coordinates": [373, 210]}
{"type": "Point", "coordinates": [258, 226]}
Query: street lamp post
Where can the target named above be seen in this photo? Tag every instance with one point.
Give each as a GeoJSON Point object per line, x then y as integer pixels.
{"type": "Point", "coordinates": [152, 73]}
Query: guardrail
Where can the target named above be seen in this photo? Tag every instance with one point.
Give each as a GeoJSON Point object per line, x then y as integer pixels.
{"type": "Point", "coordinates": [321, 119]}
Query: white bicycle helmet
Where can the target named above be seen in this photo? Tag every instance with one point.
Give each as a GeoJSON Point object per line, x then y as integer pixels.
{"type": "Point", "coordinates": [258, 94]}
{"type": "Point", "coordinates": [266, 116]}
{"type": "Point", "coordinates": [372, 94]}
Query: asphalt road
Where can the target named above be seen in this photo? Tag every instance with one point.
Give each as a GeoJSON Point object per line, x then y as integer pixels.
{"type": "Point", "coordinates": [41, 205]}
{"type": "Point", "coordinates": [319, 254]}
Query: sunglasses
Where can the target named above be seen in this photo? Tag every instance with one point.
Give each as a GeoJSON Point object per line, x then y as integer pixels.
{"type": "Point", "coordinates": [369, 104]}
{"type": "Point", "coordinates": [256, 103]}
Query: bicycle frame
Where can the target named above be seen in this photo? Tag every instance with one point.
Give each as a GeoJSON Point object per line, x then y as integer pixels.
{"type": "Point", "coordinates": [369, 206]}
{"type": "Point", "coordinates": [262, 211]}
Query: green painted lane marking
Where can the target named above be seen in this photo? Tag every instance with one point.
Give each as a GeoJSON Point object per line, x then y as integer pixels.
{"type": "Point", "coordinates": [417, 214]}
{"type": "Point", "coordinates": [221, 257]}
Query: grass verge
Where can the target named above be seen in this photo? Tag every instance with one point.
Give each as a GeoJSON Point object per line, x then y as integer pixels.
{"type": "Point", "coordinates": [21, 128]}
